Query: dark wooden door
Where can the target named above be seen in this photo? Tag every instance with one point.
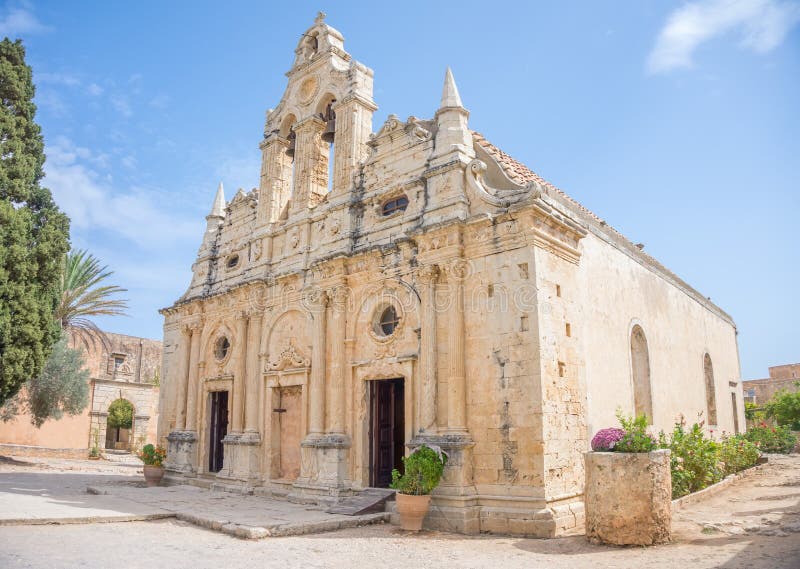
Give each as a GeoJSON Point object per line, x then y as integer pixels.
{"type": "Point", "coordinates": [387, 430]}
{"type": "Point", "coordinates": [217, 429]}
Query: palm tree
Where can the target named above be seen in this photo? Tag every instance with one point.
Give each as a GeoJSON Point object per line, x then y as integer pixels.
{"type": "Point", "coordinates": [83, 295]}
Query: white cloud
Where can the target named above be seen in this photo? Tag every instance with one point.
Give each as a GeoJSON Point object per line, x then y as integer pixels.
{"type": "Point", "coordinates": [761, 24]}
{"type": "Point", "coordinates": [122, 105]}
{"type": "Point", "coordinates": [129, 162]}
{"type": "Point", "coordinates": [56, 79]}
{"type": "Point", "coordinates": [139, 216]}
{"type": "Point", "coordinates": [19, 22]}
{"type": "Point", "coordinates": [95, 90]}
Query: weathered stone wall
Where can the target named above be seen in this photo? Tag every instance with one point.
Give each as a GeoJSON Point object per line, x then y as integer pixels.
{"type": "Point", "coordinates": [628, 498]}
{"type": "Point", "coordinates": [759, 391]}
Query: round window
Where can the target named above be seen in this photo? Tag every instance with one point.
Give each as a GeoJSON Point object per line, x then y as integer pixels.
{"type": "Point", "coordinates": [221, 348]}
{"type": "Point", "coordinates": [388, 321]}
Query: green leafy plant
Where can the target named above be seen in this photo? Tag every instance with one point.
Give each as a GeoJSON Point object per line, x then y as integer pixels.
{"type": "Point", "coordinates": [753, 412]}
{"type": "Point", "coordinates": [636, 437]}
{"type": "Point", "coordinates": [120, 414]}
{"type": "Point", "coordinates": [772, 439]}
{"type": "Point", "coordinates": [694, 460]}
{"type": "Point", "coordinates": [153, 455]}
{"type": "Point", "coordinates": [423, 470]}
{"type": "Point", "coordinates": [95, 450]}
{"type": "Point", "coordinates": [784, 407]}
{"type": "Point", "coordinates": [736, 453]}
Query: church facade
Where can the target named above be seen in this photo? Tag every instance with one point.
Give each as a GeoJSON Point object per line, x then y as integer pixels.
{"type": "Point", "coordinates": [381, 290]}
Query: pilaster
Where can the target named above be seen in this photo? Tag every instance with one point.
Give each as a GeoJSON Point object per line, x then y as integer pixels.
{"type": "Point", "coordinates": [276, 175]}
{"type": "Point", "coordinates": [311, 165]}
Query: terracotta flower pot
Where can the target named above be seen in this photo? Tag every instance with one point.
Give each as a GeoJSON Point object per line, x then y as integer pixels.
{"type": "Point", "coordinates": [412, 510]}
{"type": "Point", "coordinates": [153, 475]}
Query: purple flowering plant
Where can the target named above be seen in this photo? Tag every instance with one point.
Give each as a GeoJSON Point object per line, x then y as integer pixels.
{"type": "Point", "coordinates": [606, 439]}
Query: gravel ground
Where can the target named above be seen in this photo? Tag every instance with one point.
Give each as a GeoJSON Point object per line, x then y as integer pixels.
{"type": "Point", "coordinates": [754, 523]}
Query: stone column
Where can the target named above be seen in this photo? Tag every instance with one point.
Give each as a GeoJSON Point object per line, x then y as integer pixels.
{"type": "Point", "coordinates": [183, 378]}
{"type": "Point", "coordinates": [336, 392]}
{"type": "Point", "coordinates": [456, 384]}
{"type": "Point", "coordinates": [194, 366]}
{"type": "Point", "coordinates": [309, 165]}
{"type": "Point", "coordinates": [428, 277]}
{"type": "Point", "coordinates": [353, 127]}
{"type": "Point", "coordinates": [253, 389]}
{"type": "Point", "coordinates": [239, 375]}
{"type": "Point", "coordinates": [276, 175]}
{"type": "Point", "coordinates": [317, 302]}
{"type": "Point", "coordinates": [182, 442]}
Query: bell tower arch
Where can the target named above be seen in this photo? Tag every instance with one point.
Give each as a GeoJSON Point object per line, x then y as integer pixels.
{"type": "Point", "coordinates": [328, 101]}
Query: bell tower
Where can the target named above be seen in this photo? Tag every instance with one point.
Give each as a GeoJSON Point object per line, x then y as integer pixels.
{"type": "Point", "coordinates": [324, 115]}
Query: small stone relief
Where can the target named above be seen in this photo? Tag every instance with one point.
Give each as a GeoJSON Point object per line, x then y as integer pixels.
{"type": "Point", "coordinates": [289, 357]}
{"type": "Point", "coordinates": [255, 249]}
{"type": "Point", "coordinates": [294, 238]}
{"type": "Point", "coordinates": [308, 90]}
{"type": "Point", "coordinates": [334, 226]}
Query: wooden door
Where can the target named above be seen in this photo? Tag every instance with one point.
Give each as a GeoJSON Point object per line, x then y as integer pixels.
{"type": "Point", "coordinates": [290, 420]}
{"type": "Point", "coordinates": [387, 430]}
{"type": "Point", "coordinates": [218, 428]}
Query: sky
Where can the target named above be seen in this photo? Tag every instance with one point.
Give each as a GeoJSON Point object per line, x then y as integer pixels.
{"type": "Point", "coordinates": [677, 122]}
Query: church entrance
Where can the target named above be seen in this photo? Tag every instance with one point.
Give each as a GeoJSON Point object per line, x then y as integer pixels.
{"type": "Point", "coordinates": [387, 430]}
{"type": "Point", "coordinates": [289, 411]}
{"type": "Point", "coordinates": [218, 428]}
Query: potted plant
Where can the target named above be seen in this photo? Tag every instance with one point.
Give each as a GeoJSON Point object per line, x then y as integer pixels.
{"type": "Point", "coordinates": [153, 458]}
{"type": "Point", "coordinates": [423, 470]}
{"type": "Point", "coordinates": [94, 452]}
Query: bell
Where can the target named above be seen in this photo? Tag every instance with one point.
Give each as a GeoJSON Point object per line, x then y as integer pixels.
{"type": "Point", "coordinates": [330, 129]}
{"type": "Point", "coordinates": [290, 149]}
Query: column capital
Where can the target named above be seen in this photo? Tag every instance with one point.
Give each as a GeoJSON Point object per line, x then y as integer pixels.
{"type": "Point", "coordinates": [457, 269]}
{"type": "Point", "coordinates": [309, 123]}
{"type": "Point", "coordinates": [315, 299]}
{"type": "Point", "coordinates": [428, 273]}
{"type": "Point", "coordinates": [274, 139]}
{"type": "Point", "coordinates": [338, 296]}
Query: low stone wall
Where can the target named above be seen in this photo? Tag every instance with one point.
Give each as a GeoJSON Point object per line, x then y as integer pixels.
{"type": "Point", "coordinates": [628, 497]}
{"type": "Point", "coordinates": [26, 450]}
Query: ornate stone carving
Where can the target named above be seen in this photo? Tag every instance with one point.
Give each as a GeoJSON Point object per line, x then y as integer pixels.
{"type": "Point", "coordinates": [495, 196]}
{"type": "Point", "coordinates": [289, 357]}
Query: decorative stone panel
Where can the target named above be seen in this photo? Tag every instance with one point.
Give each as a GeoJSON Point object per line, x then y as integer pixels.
{"type": "Point", "coordinates": [628, 497]}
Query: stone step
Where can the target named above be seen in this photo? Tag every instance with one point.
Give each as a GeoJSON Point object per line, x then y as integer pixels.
{"type": "Point", "coordinates": [370, 500]}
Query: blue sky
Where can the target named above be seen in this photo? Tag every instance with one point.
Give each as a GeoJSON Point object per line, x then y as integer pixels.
{"type": "Point", "coordinates": [677, 122]}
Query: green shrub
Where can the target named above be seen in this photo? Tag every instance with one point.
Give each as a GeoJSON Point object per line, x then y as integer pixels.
{"type": "Point", "coordinates": [772, 439]}
{"type": "Point", "coordinates": [636, 437]}
{"type": "Point", "coordinates": [423, 470]}
{"type": "Point", "coordinates": [694, 460]}
{"type": "Point", "coordinates": [784, 407]}
{"type": "Point", "coordinates": [736, 453]}
{"type": "Point", "coordinates": [152, 455]}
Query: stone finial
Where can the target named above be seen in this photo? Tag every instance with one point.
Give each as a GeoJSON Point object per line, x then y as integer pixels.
{"type": "Point", "coordinates": [320, 18]}
{"type": "Point", "coordinates": [450, 96]}
{"type": "Point", "coordinates": [218, 209]}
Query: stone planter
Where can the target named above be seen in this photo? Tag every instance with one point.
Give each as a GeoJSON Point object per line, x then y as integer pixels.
{"type": "Point", "coordinates": [153, 475]}
{"type": "Point", "coordinates": [412, 510]}
{"type": "Point", "coordinates": [628, 497]}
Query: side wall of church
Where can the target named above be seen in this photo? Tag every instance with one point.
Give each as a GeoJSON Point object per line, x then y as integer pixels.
{"type": "Point", "coordinates": [618, 292]}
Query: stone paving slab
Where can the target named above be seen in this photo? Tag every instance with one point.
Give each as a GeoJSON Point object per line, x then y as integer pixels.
{"type": "Point", "coordinates": [249, 517]}
{"type": "Point", "coordinates": [32, 499]}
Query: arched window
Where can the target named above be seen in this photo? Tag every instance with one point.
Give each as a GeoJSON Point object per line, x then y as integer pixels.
{"type": "Point", "coordinates": [711, 395]}
{"type": "Point", "coordinates": [640, 369]}
{"type": "Point", "coordinates": [399, 203]}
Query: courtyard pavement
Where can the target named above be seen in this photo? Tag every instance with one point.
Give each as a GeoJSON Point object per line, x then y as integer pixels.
{"type": "Point", "coordinates": [42, 491]}
{"type": "Point", "coordinates": [752, 523]}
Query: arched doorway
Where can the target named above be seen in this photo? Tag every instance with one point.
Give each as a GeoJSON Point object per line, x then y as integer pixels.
{"type": "Point", "coordinates": [640, 370]}
{"type": "Point", "coordinates": [119, 425]}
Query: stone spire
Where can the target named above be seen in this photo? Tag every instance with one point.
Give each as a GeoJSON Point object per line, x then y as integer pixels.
{"type": "Point", "coordinates": [453, 134]}
{"type": "Point", "coordinates": [450, 96]}
{"type": "Point", "coordinates": [218, 209]}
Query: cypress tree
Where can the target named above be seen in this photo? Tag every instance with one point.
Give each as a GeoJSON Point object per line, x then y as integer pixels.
{"type": "Point", "coordinates": [34, 234]}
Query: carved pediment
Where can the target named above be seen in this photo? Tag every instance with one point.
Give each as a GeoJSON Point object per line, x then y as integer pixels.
{"type": "Point", "coordinates": [289, 357]}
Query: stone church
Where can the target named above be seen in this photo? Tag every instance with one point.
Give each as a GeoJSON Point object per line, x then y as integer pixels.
{"type": "Point", "coordinates": [413, 285]}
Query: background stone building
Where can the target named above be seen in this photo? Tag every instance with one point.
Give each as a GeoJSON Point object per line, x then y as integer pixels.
{"type": "Point", "coordinates": [120, 367]}
{"type": "Point", "coordinates": [417, 285]}
{"type": "Point", "coordinates": [759, 391]}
